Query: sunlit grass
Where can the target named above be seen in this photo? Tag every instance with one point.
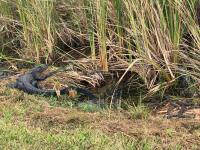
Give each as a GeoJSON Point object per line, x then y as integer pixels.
{"type": "Point", "coordinates": [101, 7]}
{"type": "Point", "coordinates": [38, 31]}
{"type": "Point", "coordinates": [139, 111]}
{"type": "Point", "coordinates": [31, 122]}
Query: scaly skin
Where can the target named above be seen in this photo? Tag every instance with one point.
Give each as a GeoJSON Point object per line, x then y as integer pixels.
{"type": "Point", "coordinates": [28, 84]}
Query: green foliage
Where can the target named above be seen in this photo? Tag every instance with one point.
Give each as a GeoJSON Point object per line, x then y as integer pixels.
{"type": "Point", "coordinates": [89, 107]}
{"type": "Point", "coordinates": [101, 7]}
{"type": "Point", "coordinates": [139, 111]}
{"type": "Point", "coordinates": [169, 132]}
{"type": "Point", "coordinates": [91, 29]}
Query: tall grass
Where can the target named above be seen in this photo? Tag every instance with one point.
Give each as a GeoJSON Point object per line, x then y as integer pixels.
{"type": "Point", "coordinates": [90, 25]}
{"type": "Point", "coordinates": [145, 37]}
{"type": "Point", "coordinates": [38, 26]}
{"type": "Point", "coordinates": [101, 6]}
{"type": "Point", "coordinates": [7, 34]}
{"type": "Point", "coordinates": [5, 9]}
{"type": "Point", "coordinates": [119, 20]}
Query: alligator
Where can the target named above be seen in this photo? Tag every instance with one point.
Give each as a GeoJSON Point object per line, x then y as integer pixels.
{"type": "Point", "coordinates": [29, 84]}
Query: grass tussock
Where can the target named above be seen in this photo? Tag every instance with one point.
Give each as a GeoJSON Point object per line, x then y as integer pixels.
{"type": "Point", "coordinates": [139, 112]}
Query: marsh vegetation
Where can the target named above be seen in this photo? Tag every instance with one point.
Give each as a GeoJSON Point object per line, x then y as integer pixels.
{"type": "Point", "coordinates": [136, 53]}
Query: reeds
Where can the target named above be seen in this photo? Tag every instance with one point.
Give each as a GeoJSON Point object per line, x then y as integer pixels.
{"type": "Point", "coordinates": [101, 6]}
{"type": "Point", "coordinates": [38, 27]}
{"type": "Point", "coordinates": [146, 37]}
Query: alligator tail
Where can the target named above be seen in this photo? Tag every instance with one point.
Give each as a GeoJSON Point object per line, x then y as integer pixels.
{"type": "Point", "coordinates": [45, 92]}
{"type": "Point", "coordinates": [12, 85]}
{"type": "Point", "coordinates": [86, 93]}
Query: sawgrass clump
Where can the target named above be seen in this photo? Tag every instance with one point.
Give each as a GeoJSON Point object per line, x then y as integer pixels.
{"type": "Point", "coordinates": [158, 40]}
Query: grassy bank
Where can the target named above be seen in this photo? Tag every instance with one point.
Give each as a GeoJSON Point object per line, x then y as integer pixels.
{"type": "Point", "coordinates": [35, 122]}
